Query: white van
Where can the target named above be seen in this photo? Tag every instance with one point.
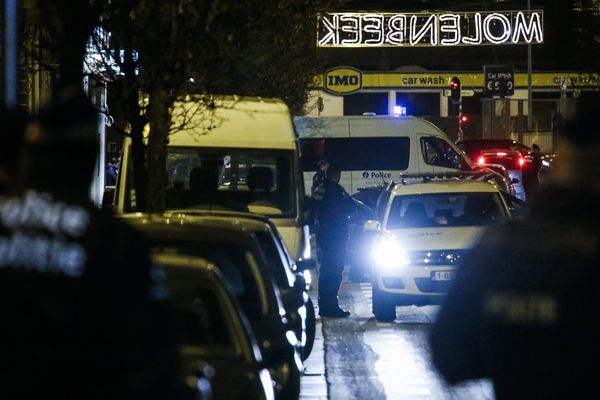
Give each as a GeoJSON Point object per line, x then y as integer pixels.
{"type": "Point", "coordinates": [242, 156]}
{"type": "Point", "coordinates": [374, 150]}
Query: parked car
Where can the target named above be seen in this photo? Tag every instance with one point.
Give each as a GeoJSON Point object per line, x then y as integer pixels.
{"type": "Point", "coordinates": [425, 231]}
{"type": "Point", "coordinates": [474, 146]}
{"type": "Point", "coordinates": [238, 255]}
{"type": "Point", "coordinates": [508, 153]}
{"type": "Point", "coordinates": [215, 341]}
{"type": "Point", "coordinates": [293, 278]}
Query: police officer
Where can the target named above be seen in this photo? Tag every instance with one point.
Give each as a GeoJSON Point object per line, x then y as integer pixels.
{"type": "Point", "coordinates": [83, 313]}
{"type": "Point", "coordinates": [522, 310]}
{"type": "Point", "coordinates": [332, 233]}
{"type": "Point", "coordinates": [530, 172]}
{"type": "Point", "coordinates": [318, 179]}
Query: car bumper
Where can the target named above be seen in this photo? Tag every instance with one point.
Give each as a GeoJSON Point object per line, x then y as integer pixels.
{"type": "Point", "coordinates": [417, 281]}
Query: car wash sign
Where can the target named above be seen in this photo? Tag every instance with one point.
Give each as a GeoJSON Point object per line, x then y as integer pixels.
{"type": "Point", "coordinates": [438, 29]}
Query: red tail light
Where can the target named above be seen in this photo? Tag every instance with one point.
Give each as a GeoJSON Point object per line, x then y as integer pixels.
{"type": "Point", "coordinates": [521, 161]}
{"type": "Point", "coordinates": [481, 160]}
{"type": "Point", "coordinates": [501, 154]}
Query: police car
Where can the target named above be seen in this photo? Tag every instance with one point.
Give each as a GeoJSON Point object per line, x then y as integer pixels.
{"type": "Point", "coordinates": [426, 227]}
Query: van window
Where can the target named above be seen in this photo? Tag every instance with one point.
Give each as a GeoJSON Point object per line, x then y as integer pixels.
{"type": "Point", "coordinates": [357, 154]}
{"type": "Point", "coordinates": [255, 180]}
{"type": "Point", "coordinates": [438, 152]}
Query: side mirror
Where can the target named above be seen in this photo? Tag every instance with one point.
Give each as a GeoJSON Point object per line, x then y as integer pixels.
{"type": "Point", "coordinates": [304, 264]}
{"type": "Point", "coordinates": [372, 226]}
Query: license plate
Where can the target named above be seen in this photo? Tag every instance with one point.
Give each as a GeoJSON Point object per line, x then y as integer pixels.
{"type": "Point", "coordinates": [443, 275]}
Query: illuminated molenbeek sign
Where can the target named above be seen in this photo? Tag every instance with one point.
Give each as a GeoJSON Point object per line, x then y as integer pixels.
{"type": "Point", "coordinates": [353, 29]}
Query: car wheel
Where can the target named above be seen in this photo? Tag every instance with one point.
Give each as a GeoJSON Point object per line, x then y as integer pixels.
{"type": "Point", "coordinates": [311, 327]}
{"type": "Point", "coordinates": [384, 308]}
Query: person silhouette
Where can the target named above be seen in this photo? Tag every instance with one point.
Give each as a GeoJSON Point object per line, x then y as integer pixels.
{"type": "Point", "coordinates": [83, 310]}
{"type": "Point", "coordinates": [521, 311]}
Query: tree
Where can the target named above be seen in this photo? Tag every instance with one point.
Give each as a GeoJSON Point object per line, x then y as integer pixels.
{"type": "Point", "coordinates": [153, 52]}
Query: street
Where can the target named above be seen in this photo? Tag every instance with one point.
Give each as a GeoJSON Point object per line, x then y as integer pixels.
{"type": "Point", "coordinates": [365, 359]}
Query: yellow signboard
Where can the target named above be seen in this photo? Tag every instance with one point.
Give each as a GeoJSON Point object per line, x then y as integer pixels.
{"type": "Point", "coordinates": [345, 80]}
{"type": "Point", "coordinates": [342, 80]}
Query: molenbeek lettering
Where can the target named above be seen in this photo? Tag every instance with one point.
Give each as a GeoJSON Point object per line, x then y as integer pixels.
{"type": "Point", "coordinates": [429, 29]}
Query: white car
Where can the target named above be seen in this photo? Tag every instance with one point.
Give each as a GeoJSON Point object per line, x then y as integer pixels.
{"type": "Point", "coordinates": [425, 230]}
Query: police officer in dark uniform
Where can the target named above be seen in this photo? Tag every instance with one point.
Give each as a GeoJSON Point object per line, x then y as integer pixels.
{"type": "Point", "coordinates": [332, 232]}
{"type": "Point", "coordinates": [523, 308]}
{"type": "Point", "coordinates": [531, 170]}
{"type": "Point", "coordinates": [83, 313]}
{"type": "Point", "coordinates": [319, 178]}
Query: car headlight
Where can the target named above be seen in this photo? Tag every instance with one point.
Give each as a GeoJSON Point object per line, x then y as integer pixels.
{"type": "Point", "coordinates": [389, 255]}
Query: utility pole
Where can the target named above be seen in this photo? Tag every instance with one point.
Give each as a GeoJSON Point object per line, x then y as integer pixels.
{"type": "Point", "coordinates": [10, 44]}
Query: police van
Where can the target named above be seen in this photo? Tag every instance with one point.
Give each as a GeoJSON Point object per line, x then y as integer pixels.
{"type": "Point", "coordinates": [234, 153]}
{"type": "Point", "coordinates": [375, 150]}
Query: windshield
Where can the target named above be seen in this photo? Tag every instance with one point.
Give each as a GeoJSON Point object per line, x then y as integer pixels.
{"type": "Point", "coordinates": [446, 210]}
{"type": "Point", "coordinates": [252, 180]}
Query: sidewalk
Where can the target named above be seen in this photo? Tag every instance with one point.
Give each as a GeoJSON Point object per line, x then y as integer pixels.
{"type": "Point", "coordinates": [313, 385]}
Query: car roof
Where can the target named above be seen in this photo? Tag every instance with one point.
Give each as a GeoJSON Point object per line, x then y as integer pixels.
{"type": "Point", "coordinates": [212, 228]}
{"type": "Point", "coordinates": [246, 219]}
{"type": "Point", "coordinates": [443, 186]}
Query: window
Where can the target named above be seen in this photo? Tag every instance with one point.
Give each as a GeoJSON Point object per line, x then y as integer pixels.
{"type": "Point", "coordinates": [357, 154]}
{"type": "Point", "coordinates": [360, 103]}
{"type": "Point", "coordinates": [259, 181]}
{"type": "Point", "coordinates": [446, 210]}
{"type": "Point", "coordinates": [277, 259]}
{"type": "Point", "coordinates": [199, 319]}
{"type": "Point", "coordinates": [233, 264]}
{"type": "Point", "coordinates": [440, 153]}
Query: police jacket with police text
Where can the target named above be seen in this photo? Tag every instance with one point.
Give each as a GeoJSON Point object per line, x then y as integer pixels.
{"type": "Point", "coordinates": [523, 309]}
{"type": "Point", "coordinates": [83, 314]}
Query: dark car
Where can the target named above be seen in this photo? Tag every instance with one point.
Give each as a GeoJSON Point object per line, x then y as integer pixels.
{"type": "Point", "coordinates": [292, 278]}
{"type": "Point", "coordinates": [215, 341]}
{"type": "Point", "coordinates": [508, 153]}
{"type": "Point", "coordinates": [239, 256]}
{"type": "Point", "coordinates": [474, 146]}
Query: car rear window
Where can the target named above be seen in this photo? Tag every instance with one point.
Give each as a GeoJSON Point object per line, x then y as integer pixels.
{"type": "Point", "coordinates": [232, 262]}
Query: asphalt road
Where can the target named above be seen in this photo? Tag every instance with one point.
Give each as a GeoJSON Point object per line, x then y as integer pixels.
{"type": "Point", "coordinates": [361, 358]}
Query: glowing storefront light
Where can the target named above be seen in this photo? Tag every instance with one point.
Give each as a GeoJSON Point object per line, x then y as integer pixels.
{"type": "Point", "coordinates": [429, 29]}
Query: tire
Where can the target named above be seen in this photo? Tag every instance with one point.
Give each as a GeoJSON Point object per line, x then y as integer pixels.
{"type": "Point", "coordinates": [384, 308]}
{"type": "Point", "coordinates": [311, 328]}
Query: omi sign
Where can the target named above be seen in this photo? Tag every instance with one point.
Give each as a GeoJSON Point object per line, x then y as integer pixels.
{"type": "Point", "coordinates": [443, 29]}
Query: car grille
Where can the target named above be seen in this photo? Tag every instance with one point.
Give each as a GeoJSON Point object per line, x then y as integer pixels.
{"type": "Point", "coordinates": [427, 258]}
{"type": "Point", "coordinates": [426, 285]}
